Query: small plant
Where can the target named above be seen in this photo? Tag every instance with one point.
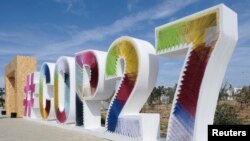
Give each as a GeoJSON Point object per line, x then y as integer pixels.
{"type": "Point", "coordinates": [226, 115]}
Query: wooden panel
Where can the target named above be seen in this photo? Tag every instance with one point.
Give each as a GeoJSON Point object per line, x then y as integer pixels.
{"type": "Point", "coordinates": [15, 77]}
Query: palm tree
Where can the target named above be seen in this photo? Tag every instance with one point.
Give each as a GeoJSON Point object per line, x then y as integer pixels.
{"type": "Point", "coordinates": [2, 92]}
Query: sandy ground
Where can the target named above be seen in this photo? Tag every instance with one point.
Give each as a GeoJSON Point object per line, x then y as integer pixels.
{"type": "Point", "coordinates": [23, 130]}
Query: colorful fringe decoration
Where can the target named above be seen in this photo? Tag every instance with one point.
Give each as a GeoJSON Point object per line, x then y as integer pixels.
{"type": "Point", "coordinates": [44, 76]}
{"type": "Point", "coordinates": [122, 50]}
{"type": "Point", "coordinates": [202, 32]}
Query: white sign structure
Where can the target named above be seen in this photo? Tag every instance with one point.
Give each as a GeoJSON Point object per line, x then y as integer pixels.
{"type": "Point", "coordinates": [208, 39]}
{"type": "Point", "coordinates": [128, 72]}
{"type": "Point", "coordinates": [46, 91]}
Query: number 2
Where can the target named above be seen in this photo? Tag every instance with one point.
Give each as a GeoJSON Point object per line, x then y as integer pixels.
{"type": "Point", "coordinates": [133, 63]}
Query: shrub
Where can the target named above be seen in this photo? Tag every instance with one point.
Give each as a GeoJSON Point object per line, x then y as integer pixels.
{"type": "Point", "coordinates": [226, 115]}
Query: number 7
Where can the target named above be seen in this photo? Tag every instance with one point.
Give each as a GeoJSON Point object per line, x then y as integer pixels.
{"type": "Point", "coordinates": [208, 39]}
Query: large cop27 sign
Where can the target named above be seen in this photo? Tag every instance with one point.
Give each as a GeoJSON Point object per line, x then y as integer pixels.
{"type": "Point", "coordinates": [71, 90]}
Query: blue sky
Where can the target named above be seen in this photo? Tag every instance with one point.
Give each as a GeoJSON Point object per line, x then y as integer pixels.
{"type": "Point", "coordinates": [48, 29]}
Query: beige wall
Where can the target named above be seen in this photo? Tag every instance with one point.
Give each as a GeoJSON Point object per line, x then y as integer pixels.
{"type": "Point", "coordinates": [15, 78]}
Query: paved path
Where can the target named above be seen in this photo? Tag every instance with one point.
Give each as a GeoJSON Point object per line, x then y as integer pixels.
{"type": "Point", "coordinates": [23, 130]}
